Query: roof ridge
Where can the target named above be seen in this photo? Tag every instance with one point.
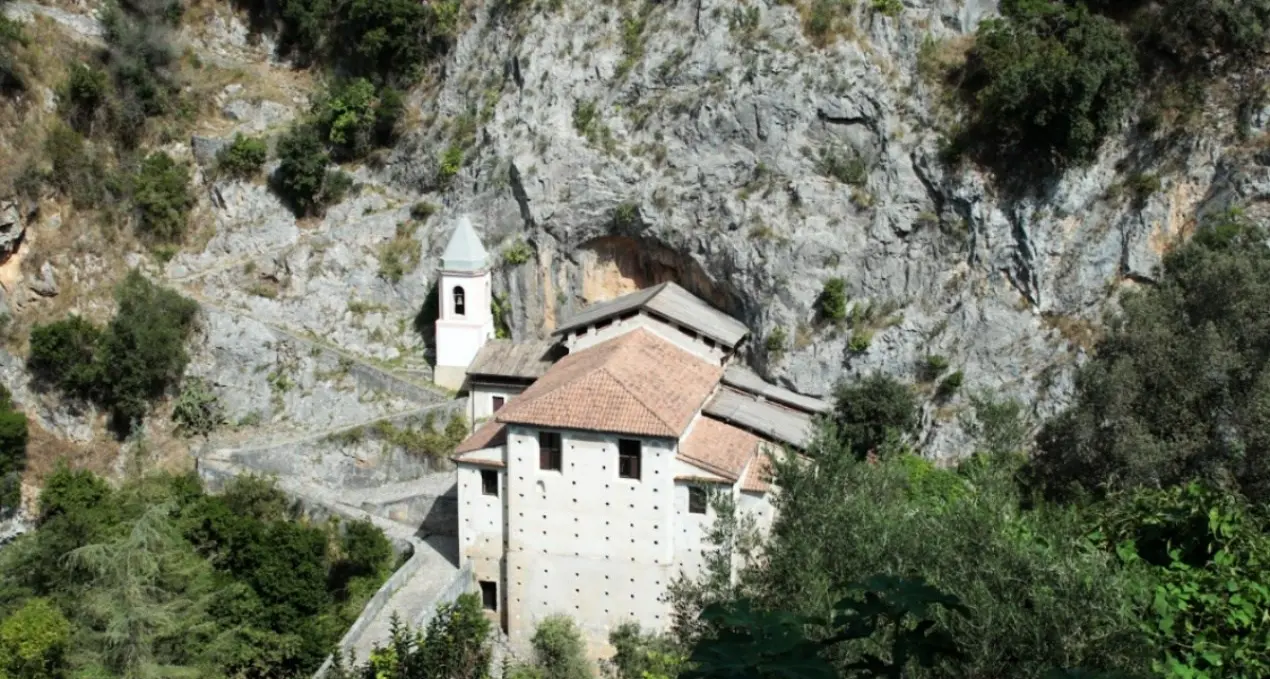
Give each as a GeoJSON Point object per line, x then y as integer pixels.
{"type": "Point", "coordinates": [625, 387]}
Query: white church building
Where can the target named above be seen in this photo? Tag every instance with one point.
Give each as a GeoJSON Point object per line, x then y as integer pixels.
{"type": "Point", "coordinates": [584, 488]}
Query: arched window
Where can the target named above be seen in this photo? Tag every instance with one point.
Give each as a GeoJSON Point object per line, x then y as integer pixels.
{"type": "Point", "coordinates": [459, 304]}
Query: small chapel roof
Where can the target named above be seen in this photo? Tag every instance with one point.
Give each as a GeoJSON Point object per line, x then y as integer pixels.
{"type": "Point", "coordinates": [671, 302]}
{"type": "Point", "coordinates": [636, 383]}
{"type": "Point", "coordinates": [489, 435]}
{"type": "Point", "coordinates": [501, 358]}
{"type": "Point", "coordinates": [464, 252]}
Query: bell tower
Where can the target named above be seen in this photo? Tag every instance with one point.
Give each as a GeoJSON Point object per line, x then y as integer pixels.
{"type": "Point", "coordinates": [465, 319]}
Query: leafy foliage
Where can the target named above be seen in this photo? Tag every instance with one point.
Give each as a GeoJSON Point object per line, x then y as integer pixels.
{"type": "Point", "coordinates": [1178, 389]}
{"type": "Point", "coordinates": [874, 414]}
{"type": "Point", "coordinates": [302, 168]}
{"type": "Point", "coordinates": [771, 644]}
{"type": "Point", "coordinates": [1048, 82]}
{"type": "Point", "coordinates": [559, 651]}
{"type": "Point", "coordinates": [161, 579]}
{"type": "Point", "coordinates": [161, 193]}
{"type": "Point", "coordinates": [456, 645]}
{"type": "Point", "coordinates": [34, 641]}
{"type": "Point", "coordinates": [243, 157]}
{"type": "Point", "coordinates": [354, 118]}
{"type": "Point", "coordinates": [842, 520]}
{"type": "Point", "coordinates": [832, 303]}
{"type": "Point", "coordinates": [1209, 555]}
{"type": "Point", "coordinates": [132, 362]}
{"type": "Point", "coordinates": [13, 440]}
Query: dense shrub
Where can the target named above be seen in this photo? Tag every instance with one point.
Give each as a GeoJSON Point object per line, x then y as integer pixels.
{"type": "Point", "coordinates": [197, 411]}
{"type": "Point", "coordinates": [1195, 32]}
{"type": "Point", "coordinates": [191, 583]}
{"type": "Point", "coordinates": [875, 414]}
{"type": "Point", "coordinates": [87, 92]}
{"type": "Point", "coordinates": [161, 194]}
{"type": "Point", "coordinates": [139, 355]}
{"type": "Point", "coordinates": [1048, 82]}
{"type": "Point", "coordinates": [243, 157]}
{"type": "Point", "coordinates": [301, 168]}
{"type": "Point", "coordinates": [1178, 390]}
{"type": "Point", "coordinates": [455, 645]}
{"type": "Point", "coordinates": [13, 439]}
{"type": "Point", "coordinates": [832, 303]}
{"type": "Point", "coordinates": [354, 118]}
{"type": "Point", "coordinates": [34, 641]}
{"type": "Point", "coordinates": [1039, 595]}
{"type": "Point", "coordinates": [63, 353]}
{"type": "Point", "coordinates": [559, 650]}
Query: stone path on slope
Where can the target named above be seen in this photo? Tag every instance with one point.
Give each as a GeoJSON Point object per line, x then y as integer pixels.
{"type": "Point", "coordinates": [413, 602]}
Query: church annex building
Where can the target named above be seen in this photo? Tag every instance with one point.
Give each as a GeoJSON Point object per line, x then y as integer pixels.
{"type": "Point", "coordinates": [584, 488]}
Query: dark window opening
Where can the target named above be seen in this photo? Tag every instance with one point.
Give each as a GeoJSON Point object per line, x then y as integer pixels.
{"type": "Point", "coordinates": [549, 451]}
{"type": "Point", "coordinates": [489, 482]}
{"type": "Point", "coordinates": [628, 458]}
{"type": "Point", "coordinates": [460, 303]}
{"type": "Point", "coordinates": [498, 403]}
{"type": "Point", "coordinates": [604, 324]}
{"type": "Point", "coordinates": [696, 500]}
{"type": "Point", "coordinates": [489, 595]}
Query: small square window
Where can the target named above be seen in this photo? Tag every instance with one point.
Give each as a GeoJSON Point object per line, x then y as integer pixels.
{"type": "Point", "coordinates": [489, 595]}
{"type": "Point", "coordinates": [498, 403]}
{"type": "Point", "coordinates": [489, 482]}
{"type": "Point", "coordinates": [628, 458]}
{"type": "Point", "coordinates": [549, 451]}
{"type": "Point", "coordinates": [696, 500]}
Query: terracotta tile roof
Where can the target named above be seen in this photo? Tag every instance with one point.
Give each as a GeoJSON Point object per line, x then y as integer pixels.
{"type": "Point", "coordinates": [636, 383]}
{"type": "Point", "coordinates": [490, 435]}
{"type": "Point", "coordinates": [719, 447]}
{"type": "Point", "coordinates": [758, 477]}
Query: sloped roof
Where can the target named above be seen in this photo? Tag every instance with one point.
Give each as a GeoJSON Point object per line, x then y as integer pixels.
{"type": "Point", "coordinates": [719, 447]}
{"type": "Point", "coordinates": [464, 252]}
{"type": "Point", "coordinates": [745, 380]}
{"type": "Point", "coordinates": [636, 383]}
{"type": "Point", "coordinates": [758, 476]}
{"type": "Point", "coordinates": [489, 435]}
{"type": "Point", "coordinates": [669, 301]}
{"type": "Point", "coordinates": [521, 360]}
{"type": "Point", "coordinates": [772, 420]}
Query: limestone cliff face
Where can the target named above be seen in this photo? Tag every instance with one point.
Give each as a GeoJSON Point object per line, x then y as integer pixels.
{"type": "Point", "coordinates": [687, 140]}
{"type": "Point", "coordinates": [703, 165]}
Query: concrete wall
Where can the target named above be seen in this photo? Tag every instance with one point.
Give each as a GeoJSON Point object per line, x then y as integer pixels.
{"type": "Point", "coordinates": [483, 530]}
{"type": "Point", "coordinates": [459, 338]}
{"type": "Point", "coordinates": [584, 542]}
{"type": "Point", "coordinates": [481, 400]}
{"type": "Point", "coordinates": [671, 333]}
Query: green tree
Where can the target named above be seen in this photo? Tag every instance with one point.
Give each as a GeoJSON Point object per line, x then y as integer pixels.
{"type": "Point", "coordinates": [875, 414]}
{"type": "Point", "coordinates": [148, 592]}
{"type": "Point", "coordinates": [1041, 595]}
{"type": "Point", "coordinates": [34, 641]}
{"type": "Point", "coordinates": [1048, 82]}
{"type": "Point", "coordinates": [301, 169]}
{"type": "Point", "coordinates": [161, 194]}
{"type": "Point", "coordinates": [456, 645]}
{"type": "Point", "coordinates": [642, 655]}
{"type": "Point", "coordinates": [143, 350]}
{"type": "Point", "coordinates": [64, 354]}
{"type": "Point", "coordinates": [559, 651]}
{"type": "Point", "coordinates": [1178, 389]}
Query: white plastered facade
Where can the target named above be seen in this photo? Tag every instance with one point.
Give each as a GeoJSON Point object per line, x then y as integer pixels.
{"type": "Point", "coordinates": [582, 541]}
